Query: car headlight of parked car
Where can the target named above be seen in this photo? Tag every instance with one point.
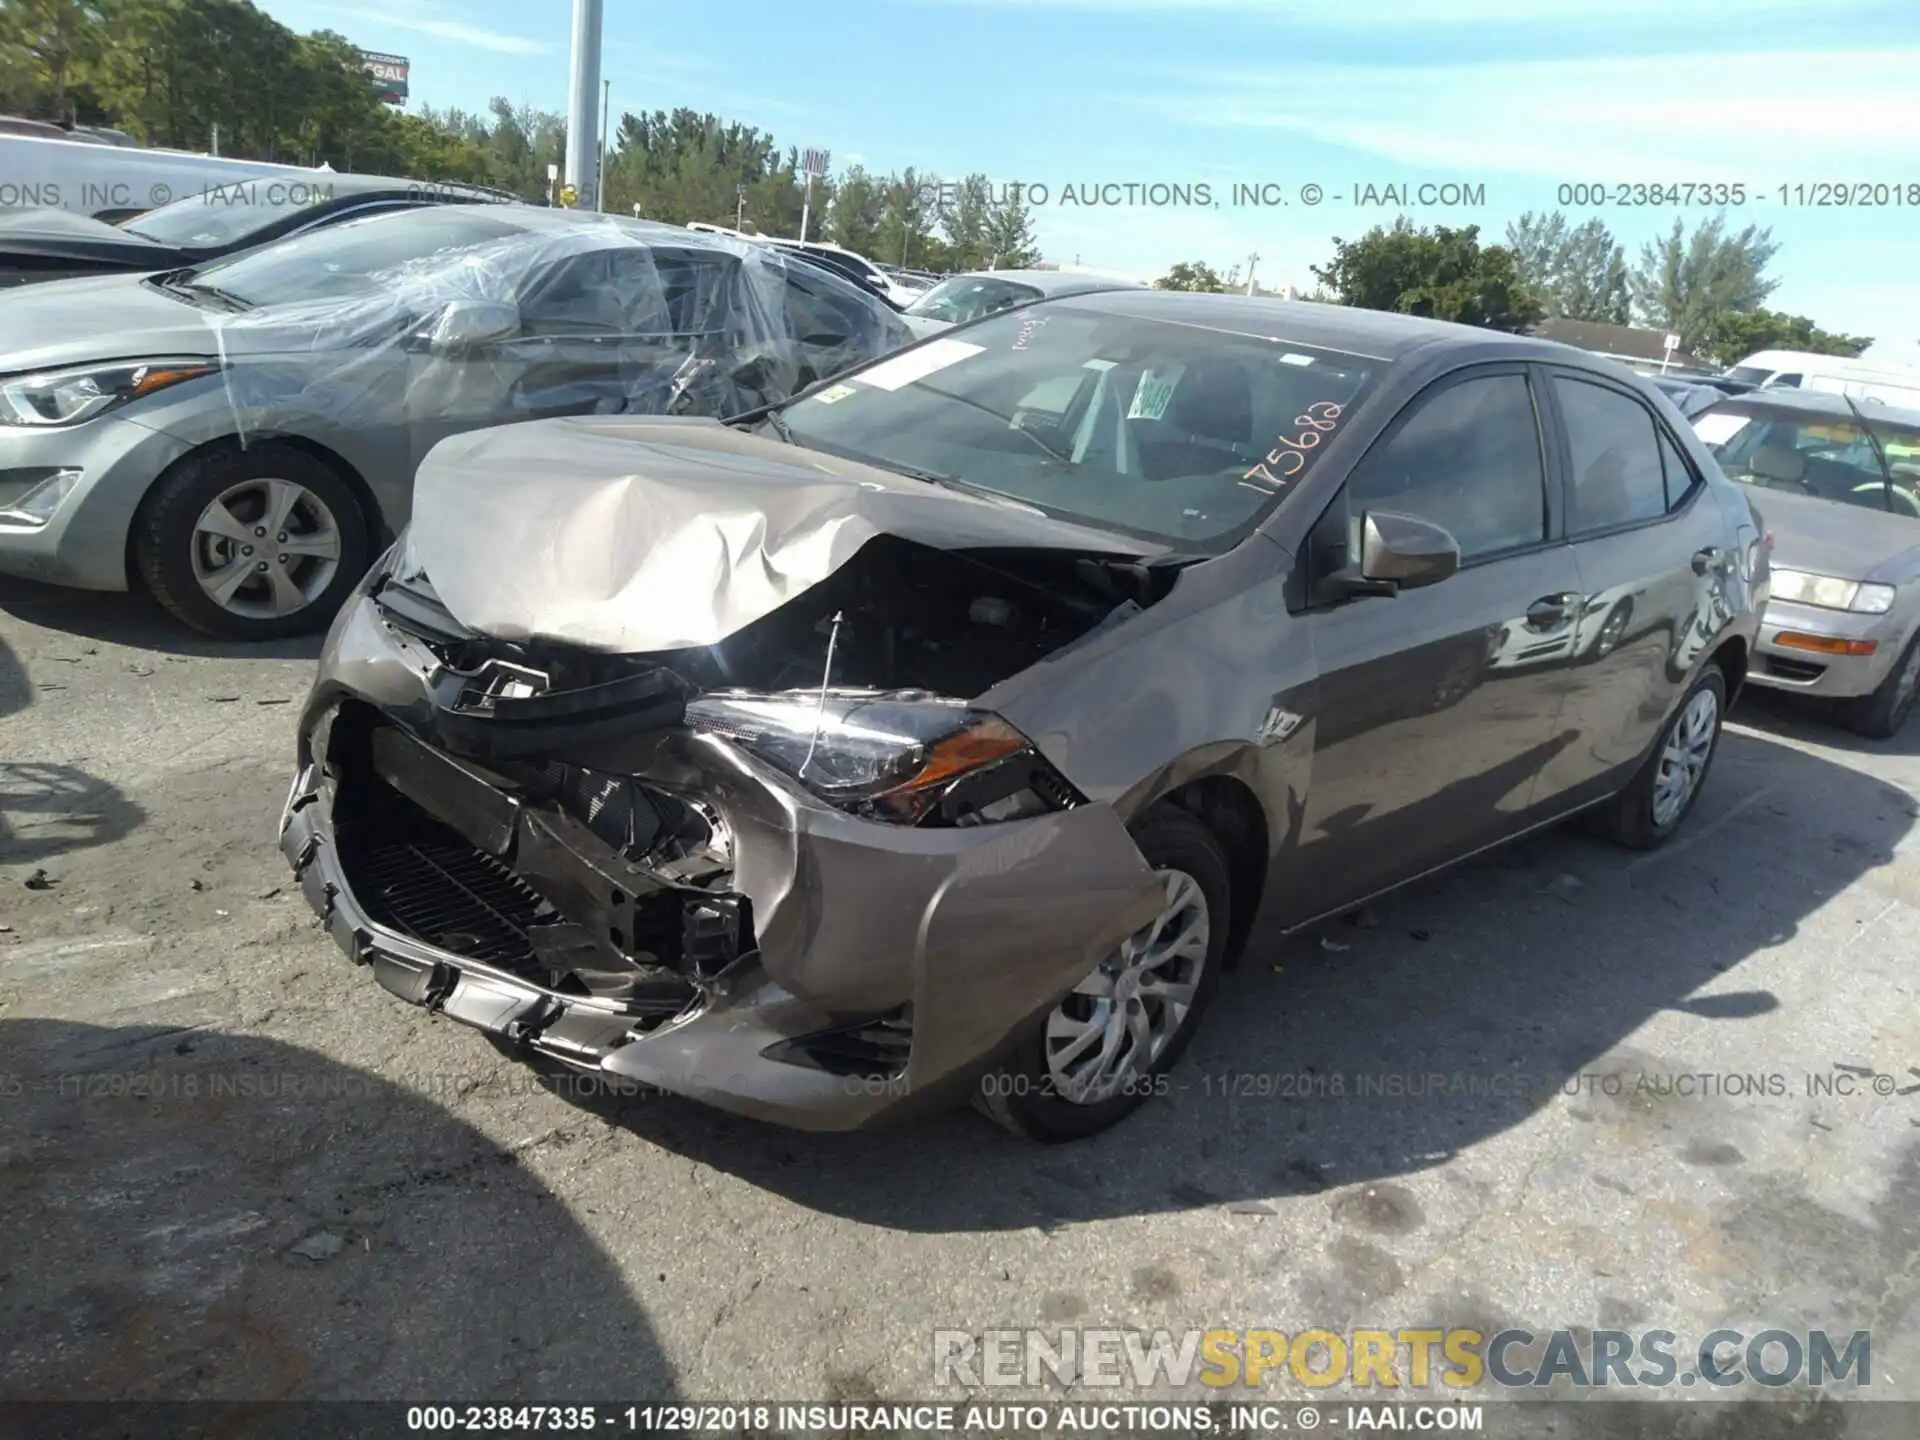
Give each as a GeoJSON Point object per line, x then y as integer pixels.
{"type": "Point", "coordinates": [1829, 592]}
{"type": "Point", "coordinates": [905, 758]}
{"type": "Point", "coordinates": [70, 396]}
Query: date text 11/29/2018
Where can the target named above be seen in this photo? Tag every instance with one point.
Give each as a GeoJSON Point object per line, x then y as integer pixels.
{"type": "Point", "coordinates": [939, 1417]}
{"type": "Point", "coordinates": [1808, 195]}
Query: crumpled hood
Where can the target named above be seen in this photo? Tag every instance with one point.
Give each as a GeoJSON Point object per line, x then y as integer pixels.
{"type": "Point", "coordinates": [630, 535]}
{"type": "Point", "coordinates": [1828, 537]}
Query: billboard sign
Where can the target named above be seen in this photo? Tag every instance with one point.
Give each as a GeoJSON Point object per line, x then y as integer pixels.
{"type": "Point", "coordinates": [389, 74]}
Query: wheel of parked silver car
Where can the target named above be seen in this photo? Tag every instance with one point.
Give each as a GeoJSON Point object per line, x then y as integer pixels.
{"type": "Point", "coordinates": [252, 544]}
{"type": "Point", "coordinates": [1883, 713]}
{"type": "Point", "coordinates": [1105, 1048]}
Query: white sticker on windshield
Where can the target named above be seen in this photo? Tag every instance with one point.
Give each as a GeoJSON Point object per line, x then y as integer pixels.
{"type": "Point", "coordinates": [1151, 395]}
{"type": "Point", "coordinates": [835, 393]}
{"type": "Point", "coordinates": [1718, 429]}
{"type": "Point", "coordinates": [1296, 359]}
{"type": "Point", "coordinates": [916, 364]}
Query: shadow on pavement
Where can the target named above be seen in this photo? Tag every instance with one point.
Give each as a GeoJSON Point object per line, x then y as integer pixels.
{"type": "Point", "coordinates": [133, 620]}
{"type": "Point", "coordinates": [1508, 979]}
{"type": "Point", "coordinates": [48, 810]}
{"type": "Point", "coordinates": [1817, 722]}
{"type": "Point", "coordinates": [218, 1217]}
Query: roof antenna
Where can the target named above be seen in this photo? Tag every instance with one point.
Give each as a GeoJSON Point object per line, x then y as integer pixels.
{"type": "Point", "coordinates": [826, 679]}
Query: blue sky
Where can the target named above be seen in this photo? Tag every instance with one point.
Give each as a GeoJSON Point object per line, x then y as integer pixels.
{"type": "Point", "coordinates": [1519, 98]}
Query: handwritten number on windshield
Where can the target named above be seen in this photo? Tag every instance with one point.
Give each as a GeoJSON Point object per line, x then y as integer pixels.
{"type": "Point", "coordinates": [1289, 455]}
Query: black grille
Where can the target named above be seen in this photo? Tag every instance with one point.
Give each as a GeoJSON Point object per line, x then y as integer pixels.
{"type": "Point", "coordinates": [871, 1050]}
{"type": "Point", "coordinates": [1794, 669]}
{"type": "Point", "coordinates": [426, 882]}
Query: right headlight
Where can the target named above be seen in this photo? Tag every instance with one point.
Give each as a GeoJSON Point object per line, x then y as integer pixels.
{"type": "Point", "coordinates": [905, 757]}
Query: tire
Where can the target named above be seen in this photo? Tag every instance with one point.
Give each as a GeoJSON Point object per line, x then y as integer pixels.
{"type": "Point", "coordinates": [1635, 817]}
{"type": "Point", "coordinates": [1026, 1095]}
{"type": "Point", "coordinates": [173, 550]}
{"type": "Point", "coordinates": [1881, 715]}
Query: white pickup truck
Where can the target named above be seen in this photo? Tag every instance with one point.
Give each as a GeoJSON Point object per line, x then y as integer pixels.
{"type": "Point", "coordinates": [113, 182]}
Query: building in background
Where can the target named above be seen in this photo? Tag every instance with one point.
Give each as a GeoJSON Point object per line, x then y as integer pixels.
{"type": "Point", "coordinates": [389, 74]}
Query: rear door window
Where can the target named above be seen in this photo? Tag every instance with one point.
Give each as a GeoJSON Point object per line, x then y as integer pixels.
{"type": "Point", "coordinates": [1618, 476]}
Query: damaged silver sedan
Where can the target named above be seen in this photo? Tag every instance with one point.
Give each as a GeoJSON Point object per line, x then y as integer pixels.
{"type": "Point", "coordinates": [942, 732]}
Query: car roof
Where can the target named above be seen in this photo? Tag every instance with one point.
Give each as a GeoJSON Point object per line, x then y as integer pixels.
{"type": "Point", "coordinates": [364, 184]}
{"type": "Point", "coordinates": [1825, 404]}
{"type": "Point", "coordinates": [1051, 282]}
{"type": "Point", "coordinates": [1378, 334]}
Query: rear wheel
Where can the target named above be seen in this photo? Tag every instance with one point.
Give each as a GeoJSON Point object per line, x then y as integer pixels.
{"type": "Point", "coordinates": [1650, 810]}
{"type": "Point", "coordinates": [1102, 1049]}
{"type": "Point", "coordinates": [252, 544]}
{"type": "Point", "coordinates": [1881, 715]}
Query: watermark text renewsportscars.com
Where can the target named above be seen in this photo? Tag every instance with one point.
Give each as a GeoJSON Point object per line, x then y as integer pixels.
{"type": "Point", "coordinates": [1450, 1360]}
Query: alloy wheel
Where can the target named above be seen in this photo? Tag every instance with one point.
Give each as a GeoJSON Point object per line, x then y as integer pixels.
{"type": "Point", "coordinates": [1683, 760]}
{"type": "Point", "coordinates": [265, 548]}
{"type": "Point", "coordinates": [1115, 1025]}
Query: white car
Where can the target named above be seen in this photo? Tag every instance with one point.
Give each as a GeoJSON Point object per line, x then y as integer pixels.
{"type": "Point", "coordinates": [115, 182]}
{"type": "Point", "coordinates": [849, 263]}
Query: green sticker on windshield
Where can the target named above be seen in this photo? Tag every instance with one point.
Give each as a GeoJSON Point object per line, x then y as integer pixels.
{"type": "Point", "coordinates": [833, 393]}
{"type": "Point", "coordinates": [1151, 396]}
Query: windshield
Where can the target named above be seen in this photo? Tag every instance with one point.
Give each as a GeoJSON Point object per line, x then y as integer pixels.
{"type": "Point", "coordinates": [1750, 374]}
{"type": "Point", "coordinates": [1824, 456]}
{"type": "Point", "coordinates": [223, 217]}
{"type": "Point", "coordinates": [1184, 434]}
{"type": "Point", "coordinates": [347, 259]}
{"type": "Point", "coordinates": [968, 297]}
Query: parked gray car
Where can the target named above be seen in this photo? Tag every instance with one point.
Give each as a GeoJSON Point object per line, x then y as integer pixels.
{"type": "Point", "coordinates": [943, 731]}
{"type": "Point", "coordinates": [240, 438]}
{"type": "Point", "coordinates": [1842, 483]}
{"type": "Point", "coordinates": [961, 298]}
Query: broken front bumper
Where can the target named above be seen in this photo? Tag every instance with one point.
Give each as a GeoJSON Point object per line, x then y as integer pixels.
{"type": "Point", "coordinates": [882, 965]}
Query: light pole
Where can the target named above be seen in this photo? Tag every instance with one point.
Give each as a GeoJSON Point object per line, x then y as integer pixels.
{"type": "Point", "coordinates": [1252, 260]}
{"type": "Point", "coordinates": [600, 179]}
{"type": "Point", "coordinates": [583, 82]}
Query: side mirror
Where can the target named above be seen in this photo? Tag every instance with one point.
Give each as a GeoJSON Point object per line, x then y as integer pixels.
{"type": "Point", "coordinates": [466, 325]}
{"type": "Point", "coordinates": [1399, 552]}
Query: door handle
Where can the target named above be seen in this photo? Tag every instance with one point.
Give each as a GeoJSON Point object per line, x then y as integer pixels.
{"type": "Point", "coordinates": [1550, 612]}
{"type": "Point", "coordinates": [1708, 561]}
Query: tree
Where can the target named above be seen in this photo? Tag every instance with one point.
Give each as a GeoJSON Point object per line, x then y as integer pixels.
{"type": "Point", "coordinates": [1009, 233]}
{"type": "Point", "coordinates": [58, 36]}
{"type": "Point", "coordinates": [1687, 284]}
{"type": "Point", "coordinates": [906, 222]}
{"type": "Point", "coordinates": [966, 224]}
{"type": "Point", "coordinates": [1733, 336]}
{"type": "Point", "coordinates": [859, 207]}
{"type": "Point", "coordinates": [1442, 273]}
{"type": "Point", "coordinates": [1192, 275]}
{"type": "Point", "coordinates": [1579, 272]}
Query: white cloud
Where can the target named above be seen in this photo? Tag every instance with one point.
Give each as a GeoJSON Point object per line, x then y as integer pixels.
{"type": "Point", "coordinates": [1755, 118]}
{"type": "Point", "coordinates": [458, 32]}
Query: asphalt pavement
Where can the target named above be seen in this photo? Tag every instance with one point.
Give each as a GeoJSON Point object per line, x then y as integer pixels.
{"type": "Point", "coordinates": [233, 1167]}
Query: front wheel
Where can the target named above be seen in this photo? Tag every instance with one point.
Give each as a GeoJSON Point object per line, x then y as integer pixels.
{"type": "Point", "coordinates": [252, 544]}
{"type": "Point", "coordinates": [1648, 812]}
{"type": "Point", "coordinates": [1107, 1046]}
{"type": "Point", "coordinates": [1881, 715]}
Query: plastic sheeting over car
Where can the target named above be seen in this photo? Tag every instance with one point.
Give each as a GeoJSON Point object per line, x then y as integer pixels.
{"type": "Point", "coordinates": [632, 538]}
{"type": "Point", "coordinates": [561, 314]}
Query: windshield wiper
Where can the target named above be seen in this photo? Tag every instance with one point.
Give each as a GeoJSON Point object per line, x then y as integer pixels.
{"type": "Point", "coordinates": [176, 281]}
{"type": "Point", "coordinates": [779, 426]}
{"type": "Point", "coordinates": [953, 482]}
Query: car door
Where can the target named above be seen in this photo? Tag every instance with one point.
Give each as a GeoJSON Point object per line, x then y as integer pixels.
{"type": "Point", "coordinates": [1650, 543]}
{"type": "Point", "coordinates": [1435, 711]}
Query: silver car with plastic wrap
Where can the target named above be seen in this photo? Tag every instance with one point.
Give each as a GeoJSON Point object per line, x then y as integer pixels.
{"type": "Point", "coordinates": [239, 438]}
{"type": "Point", "coordinates": [943, 732]}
